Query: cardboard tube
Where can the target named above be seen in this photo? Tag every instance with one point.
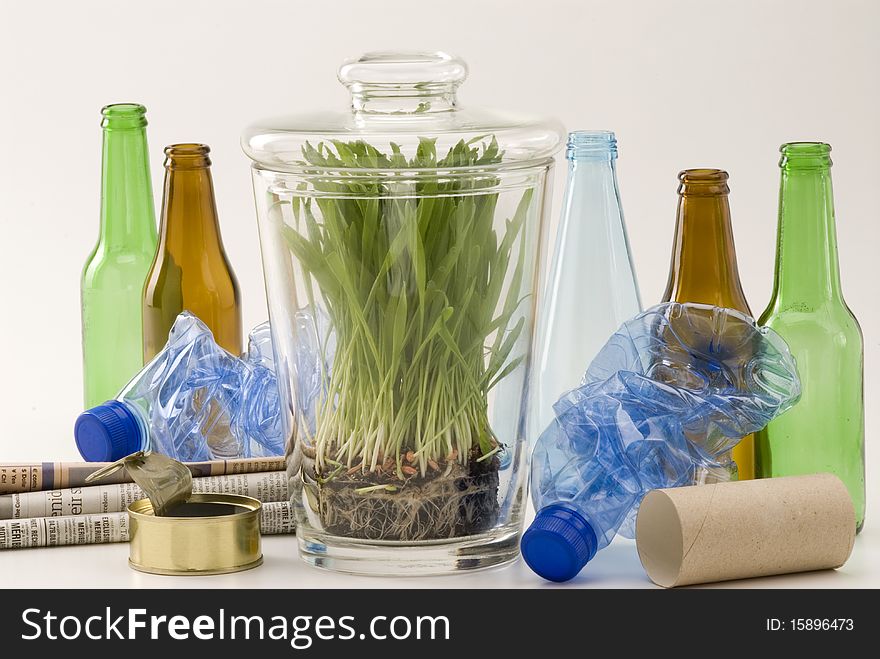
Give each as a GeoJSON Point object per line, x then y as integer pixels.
{"type": "Point", "coordinates": [736, 530]}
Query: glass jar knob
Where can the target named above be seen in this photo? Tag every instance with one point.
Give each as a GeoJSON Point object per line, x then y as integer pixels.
{"type": "Point", "coordinates": [403, 82]}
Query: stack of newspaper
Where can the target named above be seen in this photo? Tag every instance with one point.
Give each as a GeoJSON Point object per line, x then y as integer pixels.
{"type": "Point", "coordinates": [45, 504]}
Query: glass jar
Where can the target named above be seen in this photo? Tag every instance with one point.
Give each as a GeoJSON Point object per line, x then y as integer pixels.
{"type": "Point", "coordinates": [400, 245]}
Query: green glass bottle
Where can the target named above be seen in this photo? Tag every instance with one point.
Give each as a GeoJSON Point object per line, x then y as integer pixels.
{"type": "Point", "coordinates": [114, 274]}
{"type": "Point", "coordinates": [825, 431]}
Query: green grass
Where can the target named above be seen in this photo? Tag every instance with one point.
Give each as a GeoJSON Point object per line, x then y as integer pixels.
{"type": "Point", "coordinates": [413, 287]}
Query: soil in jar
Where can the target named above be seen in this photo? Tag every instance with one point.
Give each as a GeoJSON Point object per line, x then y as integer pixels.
{"type": "Point", "coordinates": [452, 499]}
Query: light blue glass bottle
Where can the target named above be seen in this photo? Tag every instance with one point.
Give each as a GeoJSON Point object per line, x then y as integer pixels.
{"type": "Point", "coordinates": [591, 287]}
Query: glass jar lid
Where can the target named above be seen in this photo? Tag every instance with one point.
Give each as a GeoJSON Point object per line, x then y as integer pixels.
{"type": "Point", "coordinates": [404, 115]}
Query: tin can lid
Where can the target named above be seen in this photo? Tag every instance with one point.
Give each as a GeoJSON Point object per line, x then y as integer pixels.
{"type": "Point", "coordinates": [166, 482]}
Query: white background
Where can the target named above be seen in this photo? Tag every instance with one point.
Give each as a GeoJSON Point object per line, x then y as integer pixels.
{"type": "Point", "coordinates": [684, 83]}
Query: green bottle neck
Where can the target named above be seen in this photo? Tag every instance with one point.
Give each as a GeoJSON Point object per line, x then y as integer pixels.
{"type": "Point", "coordinates": [807, 268]}
{"type": "Point", "coordinates": [128, 217]}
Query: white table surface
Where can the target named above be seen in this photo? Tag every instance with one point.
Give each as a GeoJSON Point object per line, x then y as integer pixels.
{"type": "Point", "coordinates": [105, 566]}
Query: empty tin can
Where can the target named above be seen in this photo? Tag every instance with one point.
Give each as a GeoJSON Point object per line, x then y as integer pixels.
{"type": "Point", "coordinates": [174, 531]}
{"type": "Point", "coordinates": [207, 534]}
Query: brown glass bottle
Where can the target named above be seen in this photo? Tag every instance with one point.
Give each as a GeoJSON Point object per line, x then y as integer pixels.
{"type": "Point", "coordinates": [703, 267]}
{"type": "Point", "coordinates": [190, 271]}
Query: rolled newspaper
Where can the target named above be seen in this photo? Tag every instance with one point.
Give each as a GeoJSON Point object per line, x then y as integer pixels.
{"type": "Point", "coordinates": [266, 487]}
{"type": "Point", "coordinates": [275, 518]}
{"type": "Point", "coordinates": [39, 476]}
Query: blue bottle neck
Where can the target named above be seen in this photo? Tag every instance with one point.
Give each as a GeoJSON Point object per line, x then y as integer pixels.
{"type": "Point", "coordinates": [591, 206]}
{"type": "Point", "coordinates": [559, 542]}
{"type": "Point", "coordinates": [592, 183]}
{"type": "Point", "coordinates": [592, 170]}
{"type": "Point", "coordinates": [142, 422]}
{"type": "Point", "coordinates": [587, 146]}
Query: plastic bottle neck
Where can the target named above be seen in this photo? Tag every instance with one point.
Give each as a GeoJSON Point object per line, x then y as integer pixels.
{"type": "Point", "coordinates": [128, 217]}
{"type": "Point", "coordinates": [110, 431]}
{"type": "Point", "coordinates": [143, 424]}
{"type": "Point", "coordinates": [807, 268]}
{"type": "Point", "coordinates": [703, 267]}
{"type": "Point", "coordinates": [559, 542]}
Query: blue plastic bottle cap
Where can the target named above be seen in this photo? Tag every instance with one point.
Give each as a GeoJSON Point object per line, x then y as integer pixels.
{"type": "Point", "coordinates": [107, 432]}
{"type": "Point", "coordinates": [559, 543]}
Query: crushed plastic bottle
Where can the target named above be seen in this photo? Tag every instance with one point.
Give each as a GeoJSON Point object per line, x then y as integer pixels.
{"type": "Point", "coordinates": [675, 388]}
{"type": "Point", "coordinates": [313, 359]}
{"type": "Point", "coordinates": [193, 401]}
{"type": "Point", "coordinates": [259, 416]}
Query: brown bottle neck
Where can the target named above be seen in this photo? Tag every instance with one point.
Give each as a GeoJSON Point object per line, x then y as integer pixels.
{"type": "Point", "coordinates": [189, 220]}
{"type": "Point", "coordinates": [703, 267]}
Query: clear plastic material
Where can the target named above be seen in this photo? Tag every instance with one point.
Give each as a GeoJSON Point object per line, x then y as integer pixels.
{"type": "Point", "coordinates": [399, 243]}
{"type": "Point", "coordinates": [591, 288]}
{"type": "Point", "coordinates": [193, 401]}
{"type": "Point", "coordinates": [675, 388]}
{"type": "Point", "coordinates": [258, 421]}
